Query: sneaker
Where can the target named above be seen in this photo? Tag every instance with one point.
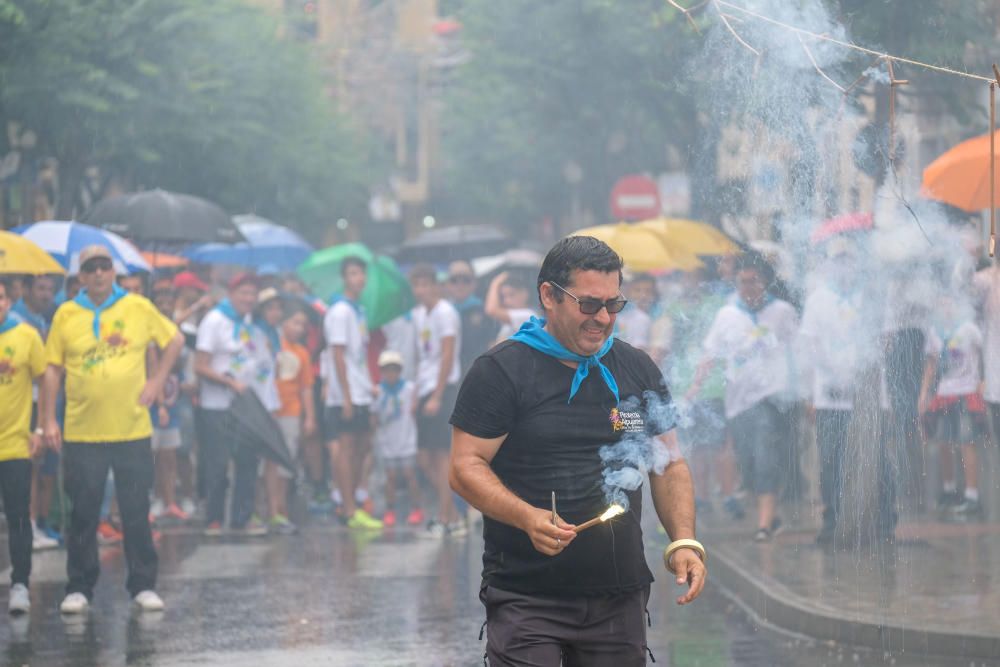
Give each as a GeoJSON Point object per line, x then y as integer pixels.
{"type": "Point", "coordinates": [156, 510]}
{"type": "Point", "coordinates": [457, 529]}
{"type": "Point", "coordinates": [213, 529]}
{"type": "Point", "coordinates": [968, 509]}
{"type": "Point", "coordinates": [949, 499]}
{"type": "Point", "coordinates": [280, 525]}
{"type": "Point", "coordinates": [733, 505]}
{"type": "Point", "coordinates": [363, 520]}
{"type": "Point", "coordinates": [436, 530]}
{"type": "Point", "coordinates": [368, 505]}
{"type": "Point", "coordinates": [762, 535]}
{"type": "Point", "coordinates": [53, 534]}
{"type": "Point", "coordinates": [176, 513]}
{"type": "Point", "coordinates": [148, 601]}
{"type": "Point", "coordinates": [40, 541]}
{"type": "Point", "coordinates": [415, 517]}
{"type": "Point", "coordinates": [253, 528]}
{"type": "Point", "coordinates": [188, 506]}
{"type": "Point", "coordinates": [107, 534]}
{"type": "Point", "coordinates": [74, 603]}
{"type": "Point", "coordinates": [389, 519]}
{"type": "Point", "coordinates": [19, 601]}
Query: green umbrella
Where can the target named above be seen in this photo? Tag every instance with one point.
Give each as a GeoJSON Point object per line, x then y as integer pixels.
{"type": "Point", "coordinates": [387, 293]}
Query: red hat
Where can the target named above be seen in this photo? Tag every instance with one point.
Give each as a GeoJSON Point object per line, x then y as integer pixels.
{"type": "Point", "coordinates": [243, 278]}
{"type": "Point", "coordinates": [189, 279]}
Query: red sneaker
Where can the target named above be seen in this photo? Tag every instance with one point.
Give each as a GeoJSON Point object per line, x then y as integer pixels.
{"type": "Point", "coordinates": [416, 517]}
{"type": "Point", "coordinates": [108, 534]}
{"type": "Point", "coordinates": [368, 505]}
{"type": "Point", "coordinates": [389, 519]}
{"type": "Point", "coordinates": [176, 512]}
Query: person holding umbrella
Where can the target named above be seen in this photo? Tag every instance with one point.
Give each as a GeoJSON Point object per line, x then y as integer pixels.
{"type": "Point", "coordinates": [231, 357]}
{"type": "Point", "coordinates": [99, 341]}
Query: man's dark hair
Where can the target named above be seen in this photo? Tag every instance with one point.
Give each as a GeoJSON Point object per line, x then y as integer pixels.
{"type": "Point", "coordinates": [577, 253]}
{"type": "Point", "coordinates": [352, 261]}
{"type": "Point", "coordinates": [753, 261]}
{"type": "Point", "coordinates": [291, 308]}
{"type": "Point", "coordinates": [425, 271]}
{"type": "Point", "coordinates": [5, 282]}
{"type": "Point", "coordinates": [27, 282]}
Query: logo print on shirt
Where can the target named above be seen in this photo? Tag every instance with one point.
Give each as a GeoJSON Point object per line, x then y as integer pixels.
{"type": "Point", "coordinates": [628, 422]}
{"type": "Point", "coordinates": [112, 344]}
{"type": "Point", "coordinates": [425, 338]}
{"type": "Point", "coordinates": [7, 367]}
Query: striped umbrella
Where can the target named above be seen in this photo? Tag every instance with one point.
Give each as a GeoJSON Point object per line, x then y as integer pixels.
{"type": "Point", "coordinates": [65, 239]}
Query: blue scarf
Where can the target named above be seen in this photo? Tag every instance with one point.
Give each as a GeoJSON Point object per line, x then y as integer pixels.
{"type": "Point", "coordinates": [753, 313]}
{"type": "Point", "coordinates": [392, 391]}
{"type": "Point", "coordinates": [83, 300]}
{"type": "Point", "coordinates": [8, 324]}
{"type": "Point", "coordinates": [271, 333]}
{"type": "Point", "coordinates": [533, 334]}
{"type": "Point", "coordinates": [470, 303]}
{"type": "Point", "coordinates": [239, 322]}
{"type": "Point", "coordinates": [357, 307]}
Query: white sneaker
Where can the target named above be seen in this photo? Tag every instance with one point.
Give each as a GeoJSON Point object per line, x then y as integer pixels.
{"type": "Point", "coordinates": [457, 529]}
{"type": "Point", "coordinates": [20, 601]}
{"type": "Point", "coordinates": [436, 530]}
{"type": "Point", "coordinates": [74, 603]}
{"type": "Point", "coordinates": [157, 508]}
{"type": "Point", "coordinates": [148, 601]}
{"type": "Point", "coordinates": [188, 507]}
{"type": "Point", "coordinates": [40, 541]}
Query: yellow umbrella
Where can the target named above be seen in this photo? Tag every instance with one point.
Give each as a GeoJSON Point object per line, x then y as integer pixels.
{"type": "Point", "coordinates": [695, 238]}
{"type": "Point", "coordinates": [642, 248]}
{"type": "Point", "coordinates": [19, 255]}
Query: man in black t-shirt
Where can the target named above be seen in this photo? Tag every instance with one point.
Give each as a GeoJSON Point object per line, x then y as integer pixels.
{"type": "Point", "coordinates": [534, 416]}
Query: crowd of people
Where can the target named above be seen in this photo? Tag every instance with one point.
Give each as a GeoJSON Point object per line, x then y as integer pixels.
{"type": "Point", "coordinates": [129, 380]}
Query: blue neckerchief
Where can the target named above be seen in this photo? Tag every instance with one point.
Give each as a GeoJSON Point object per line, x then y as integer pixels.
{"type": "Point", "coordinates": [271, 333]}
{"type": "Point", "coordinates": [8, 324]}
{"type": "Point", "coordinates": [392, 391]}
{"type": "Point", "coordinates": [239, 321]}
{"type": "Point", "coordinates": [533, 334]}
{"type": "Point", "coordinates": [28, 317]}
{"type": "Point", "coordinates": [83, 300]}
{"type": "Point", "coordinates": [742, 305]}
{"type": "Point", "coordinates": [357, 307]}
{"type": "Point", "coordinates": [471, 302]}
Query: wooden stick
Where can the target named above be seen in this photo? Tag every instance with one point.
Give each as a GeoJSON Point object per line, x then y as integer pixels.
{"type": "Point", "coordinates": [598, 519]}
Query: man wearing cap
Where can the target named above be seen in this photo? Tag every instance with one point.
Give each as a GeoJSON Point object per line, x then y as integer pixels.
{"type": "Point", "coordinates": [99, 341]}
{"type": "Point", "coordinates": [232, 356]}
{"type": "Point", "coordinates": [534, 419]}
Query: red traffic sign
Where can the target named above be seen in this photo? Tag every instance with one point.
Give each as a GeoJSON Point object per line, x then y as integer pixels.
{"type": "Point", "coordinates": [635, 197]}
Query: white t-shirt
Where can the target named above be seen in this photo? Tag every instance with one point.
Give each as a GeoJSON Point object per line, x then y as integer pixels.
{"type": "Point", "coordinates": [634, 325]}
{"type": "Point", "coordinates": [343, 325]}
{"type": "Point", "coordinates": [401, 337]}
{"type": "Point", "coordinates": [756, 350]}
{"type": "Point", "coordinates": [396, 430]}
{"type": "Point", "coordinates": [829, 348]}
{"type": "Point", "coordinates": [246, 358]}
{"type": "Point", "coordinates": [986, 284]}
{"type": "Point", "coordinates": [518, 316]}
{"type": "Point", "coordinates": [432, 326]}
{"type": "Point", "coordinates": [958, 359]}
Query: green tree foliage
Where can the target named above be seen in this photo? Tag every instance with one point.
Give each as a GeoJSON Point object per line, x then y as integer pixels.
{"type": "Point", "coordinates": [201, 97]}
{"type": "Point", "coordinates": [595, 83]}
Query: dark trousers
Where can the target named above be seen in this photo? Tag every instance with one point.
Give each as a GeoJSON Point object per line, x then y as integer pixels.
{"type": "Point", "coordinates": [85, 471]}
{"type": "Point", "coordinates": [831, 438]}
{"type": "Point", "coordinates": [15, 486]}
{"type": "Point", "coordinates": [601, 631]}
{"type": "Point", "coordinates": [219, 445]}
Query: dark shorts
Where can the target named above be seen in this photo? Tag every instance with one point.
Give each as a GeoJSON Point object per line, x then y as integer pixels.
{"type": "Point", "coordinates": [955, 424]}
{"type": "Point", "coordinates": [334, 423]}
{"type": "Point", "coordinates": [706, 426]}
{"type": "Point", "coordinates": [603, 631]}
{"type": "Point", "coordinates": [758, 438]}
{"type": "Point", "coordinates": [435, 432]}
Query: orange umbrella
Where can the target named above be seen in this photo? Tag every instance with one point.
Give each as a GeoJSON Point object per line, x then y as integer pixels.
{"type": "Point", "coordinates": [961, 176]}
{"type": "Point", "coordinates": [159, 260]}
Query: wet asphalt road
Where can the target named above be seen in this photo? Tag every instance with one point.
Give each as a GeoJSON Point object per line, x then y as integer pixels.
{"type": "Point", "coordinates": [330, 596]}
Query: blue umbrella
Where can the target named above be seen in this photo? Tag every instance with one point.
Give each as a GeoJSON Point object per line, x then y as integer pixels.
{"type": "Point", "coordinates": [65, 239]}
{"type": "Point", "coordinates": [268, 245]}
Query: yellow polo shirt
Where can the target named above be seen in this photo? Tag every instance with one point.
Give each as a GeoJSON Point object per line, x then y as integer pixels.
{"type": "Point", "coordinates": [22, 359]}
{"type": "Point", "coordinates": [105, 377]}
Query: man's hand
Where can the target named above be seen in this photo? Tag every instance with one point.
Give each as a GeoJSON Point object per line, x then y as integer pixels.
{"type": "Point", "coordinates": [163, 416]}
{"type": "Point", "coordinates": [309, 426]}
{"type": "Point", "coordinates": [35, 444]}
{"type": "Point", "coordinates": [547, 538]}
{"type": "Point", "coordinates": [347, 411]}
{"type": "Point", "coordinates": [691, 571]}
{"type": "Point", "coordinates": [432, 406]}
{"type": "Point", "coordinates": [52, 435]}
{"type": "Point", "coordinates": [149, 393]}
{"type": "Point", "coordinates": [236, 386]}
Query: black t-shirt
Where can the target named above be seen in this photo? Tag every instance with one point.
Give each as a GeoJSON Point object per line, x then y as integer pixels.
{"type": "Point", "coordinates": [553, 445]}
{"type": "Point", "coordinates": [478, 334]}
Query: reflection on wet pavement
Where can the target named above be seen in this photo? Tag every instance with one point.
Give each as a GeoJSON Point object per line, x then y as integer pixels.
{"type": "Point", "coordinates": [333, 597]}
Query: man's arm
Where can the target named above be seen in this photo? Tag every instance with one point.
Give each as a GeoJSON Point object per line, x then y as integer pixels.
{"type": "Point", "coordinates": [673, 499]}
{"type": "Point", "coordinates": [159, 375]}
{"type": "Point", "coordinates": [203, 369]}
{"type": "Point", "coordinates": [340, 369]}
{"type": "Point", "coordinates": [47, 406]}
{"type": "Point", "coordinates": [433, 404]}
{"type": "Point", "coordinates": [471, 476]}
{"type": "Point", "coordinates": [492, 305]}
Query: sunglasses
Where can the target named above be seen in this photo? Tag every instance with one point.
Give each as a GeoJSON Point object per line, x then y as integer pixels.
{"type": "Point", "coordinates": [593, 306]}
{"type": "Point", "coordinates": [460, 279]}
{"type": "Point", "coordinates": [102, 264]}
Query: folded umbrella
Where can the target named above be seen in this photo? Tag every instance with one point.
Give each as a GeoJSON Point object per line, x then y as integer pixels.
{"type": "Point", "coordinates": [254, 427]}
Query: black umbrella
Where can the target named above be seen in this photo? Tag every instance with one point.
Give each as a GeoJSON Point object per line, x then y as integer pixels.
{"type": "Point", "coordinates": [253, 426]}
{"type": "Point", "coordinates": [158, 216]}
{"type": "Point", "coordinates": [445, 244]}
